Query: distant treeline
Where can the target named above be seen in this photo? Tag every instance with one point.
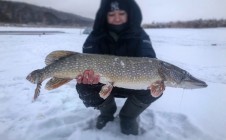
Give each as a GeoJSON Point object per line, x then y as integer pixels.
{"type": "Point", "coordinates": [200, 23]}
{"type": "Point", "coordinates": [18, 13]}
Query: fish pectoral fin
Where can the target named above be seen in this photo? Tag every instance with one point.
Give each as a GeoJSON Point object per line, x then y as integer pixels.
{"type": "Point", "coordinates": [56, 82]}
{"type": "Point", "coordinates": [106, 90]}
{"type": "Point", "coordinates": [56, 55]}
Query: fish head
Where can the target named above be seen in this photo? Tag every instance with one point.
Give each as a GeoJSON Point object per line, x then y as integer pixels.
{"type": "Point", "coordinates": [177, 77]}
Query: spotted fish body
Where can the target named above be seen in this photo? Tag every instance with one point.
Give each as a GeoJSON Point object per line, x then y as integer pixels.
{"type": "Point", "coordinates": [125, 72]}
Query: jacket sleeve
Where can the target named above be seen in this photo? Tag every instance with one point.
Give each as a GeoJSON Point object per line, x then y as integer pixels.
{"type": "Point", "coordinates": [90, 45]}
{"type": "Point", "coordinates": [145, 48]}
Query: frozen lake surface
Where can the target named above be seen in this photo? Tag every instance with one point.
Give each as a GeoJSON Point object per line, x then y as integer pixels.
{"type": "Point", "coordinates": [60, 114]}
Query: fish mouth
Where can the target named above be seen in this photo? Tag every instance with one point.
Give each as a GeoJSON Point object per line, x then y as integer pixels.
{"type": "Point", "coordinates": [194, 83]}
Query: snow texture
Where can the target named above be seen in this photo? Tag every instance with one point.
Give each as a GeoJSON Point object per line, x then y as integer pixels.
{"type": "Point", "coordinates": [60, 114]}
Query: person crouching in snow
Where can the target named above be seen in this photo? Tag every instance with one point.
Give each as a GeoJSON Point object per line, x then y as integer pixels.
{"type": "Point", "coordinates": [117, 31]}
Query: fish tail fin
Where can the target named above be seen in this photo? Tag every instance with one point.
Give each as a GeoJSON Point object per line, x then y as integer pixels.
{"type": "Point", "coordinates": [35, 77]}
{"type": "Point", "coordinates": [37, 91]}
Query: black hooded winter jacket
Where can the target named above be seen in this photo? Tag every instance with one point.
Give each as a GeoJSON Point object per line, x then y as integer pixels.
{"type": "Point", "coordinates": [133, 42]}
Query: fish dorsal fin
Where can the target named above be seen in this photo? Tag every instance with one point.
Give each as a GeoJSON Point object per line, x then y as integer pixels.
{"type": "Point", "coordinates": [56, 55]}
{"type": "Point", "coordinates": [56, 82]}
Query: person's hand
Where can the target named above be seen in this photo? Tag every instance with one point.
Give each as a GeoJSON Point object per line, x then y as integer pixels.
{"type": "Point", "coordinates": [157, 88]}
{"type": "Point", "coordinates": [88, 77]}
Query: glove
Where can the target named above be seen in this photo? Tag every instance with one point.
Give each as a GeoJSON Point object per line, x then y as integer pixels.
{"type": "Point", "coordinates": [157, 88]}
{"type": "Point", "coordinates": [88, 77]}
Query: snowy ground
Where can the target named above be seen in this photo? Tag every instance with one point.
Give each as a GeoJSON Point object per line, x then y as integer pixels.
{"type": "Point", "coordinates": [60, 115]}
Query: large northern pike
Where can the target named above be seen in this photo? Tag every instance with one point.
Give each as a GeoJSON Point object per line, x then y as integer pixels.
{"type": "Point", "coordinates": [125, 72]}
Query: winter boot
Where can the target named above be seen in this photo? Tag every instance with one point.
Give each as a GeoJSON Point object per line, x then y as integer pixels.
{"type": "Point", "coordinates": [129, 114]}
{"type": "Point", "coordinates": [107, 110]}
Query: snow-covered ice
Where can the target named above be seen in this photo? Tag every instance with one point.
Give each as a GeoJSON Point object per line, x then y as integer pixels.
{"type": "Point", "coordinates": [60, 115]}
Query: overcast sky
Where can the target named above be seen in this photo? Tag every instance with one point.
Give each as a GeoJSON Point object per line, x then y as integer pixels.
{"type": "Point", "coordinates": [153, 10]}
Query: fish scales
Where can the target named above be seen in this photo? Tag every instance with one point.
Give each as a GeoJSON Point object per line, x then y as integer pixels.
{"type": "Point", "coordinates": [125, 72]}
{"type": "Point", "coordinates": [122, 71]}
